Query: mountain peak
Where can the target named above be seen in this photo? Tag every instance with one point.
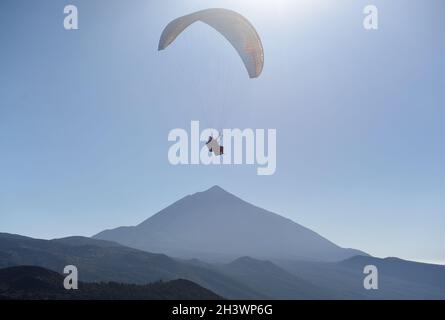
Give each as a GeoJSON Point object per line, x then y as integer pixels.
{"type": "Point", "coordinates": [216, 225]}
{"type": "Point", "coordinates": [216, 192]}
{"type": "Point", "coordinates": [216, 188]}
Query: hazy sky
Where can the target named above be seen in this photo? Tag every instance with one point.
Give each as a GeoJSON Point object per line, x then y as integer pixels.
{"type": "Point", "coordinates": [85, 114]}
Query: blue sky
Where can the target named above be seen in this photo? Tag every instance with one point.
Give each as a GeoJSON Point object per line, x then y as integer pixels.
{"type": "Point", "coordinates": [85, 114]}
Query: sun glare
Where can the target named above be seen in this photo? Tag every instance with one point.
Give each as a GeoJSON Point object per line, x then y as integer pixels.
{"type": "Point", "coordinates": [270, 8]}
{"type": "Point", "coordinates": [273, 9]}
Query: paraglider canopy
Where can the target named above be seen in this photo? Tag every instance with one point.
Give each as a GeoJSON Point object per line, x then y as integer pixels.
{"type": "Point", "coordinates": [233, 26]}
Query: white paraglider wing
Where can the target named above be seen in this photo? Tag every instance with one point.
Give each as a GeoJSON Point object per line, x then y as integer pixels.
{"type": "Point", "coordinates": [233, 26]}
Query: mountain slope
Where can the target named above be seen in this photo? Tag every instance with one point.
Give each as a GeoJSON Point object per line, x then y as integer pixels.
{"type": "Point", "coordinates": [216, 225]}
{"type": "Point", "coordinates": [273, 281]}
{"type": "Point", "coordinates": [244, 278]}
{"type": "Point", "coordinates": [404, 279]}
{"type": "Point", "coordinates": [36, 283]}
{"type": "Point", "coordinates": [398, 279]}
{"type": "Point", "coordinates": [97, 261]}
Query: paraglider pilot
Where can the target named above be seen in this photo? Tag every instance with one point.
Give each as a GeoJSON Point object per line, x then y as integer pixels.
{"type": "Point", "coordinates": [213, 146]}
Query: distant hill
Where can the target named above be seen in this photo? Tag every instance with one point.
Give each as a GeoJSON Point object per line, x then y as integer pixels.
{"type": "Point", "coordinates": [243, 278]}
{"type": "Point", "coordinates": [398, 279]}
{"type": "Point", "coordinates": [99, 260]}
{"type": "Point", "coordinates": [273, 281]}
{"type": "Point", "coordinates": [217, 226]}
{"type": "Point", "coordinates": [36, 283]}
{"type": "Point", "coordinates": [406, 278]}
